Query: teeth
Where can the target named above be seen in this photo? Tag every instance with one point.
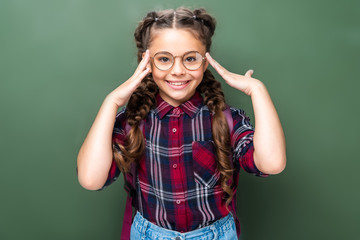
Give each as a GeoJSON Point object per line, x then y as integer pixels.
{"type": "Point", "coordinates": [177, 83]}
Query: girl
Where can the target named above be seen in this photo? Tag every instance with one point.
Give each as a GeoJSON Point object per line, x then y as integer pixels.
{"type": "Point", "coordinates": [178, 144]}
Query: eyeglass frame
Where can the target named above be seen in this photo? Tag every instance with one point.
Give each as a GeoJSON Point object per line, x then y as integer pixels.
{"type": "Point", "coordinates": [182, 60]}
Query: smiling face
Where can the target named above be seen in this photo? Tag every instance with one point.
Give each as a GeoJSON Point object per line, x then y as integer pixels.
{"type": "Point", "coordinates": [177, 84]}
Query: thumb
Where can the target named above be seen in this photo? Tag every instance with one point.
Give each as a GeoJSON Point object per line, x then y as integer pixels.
{"type": "Point", "coordinates": [249, 73]}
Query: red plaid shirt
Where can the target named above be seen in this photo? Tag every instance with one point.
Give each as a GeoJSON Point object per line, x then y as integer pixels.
{"type": "Point", "coordinates": [178, 185]}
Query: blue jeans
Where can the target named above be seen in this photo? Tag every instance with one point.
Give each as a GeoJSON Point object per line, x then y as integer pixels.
{"type": "Point", "coordinates": [142, 229]}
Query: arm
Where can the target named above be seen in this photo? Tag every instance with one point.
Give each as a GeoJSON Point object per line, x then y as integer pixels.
{"type": "Point", "coordinates": [95, 156]}
{"type": "Point", "coordinates": [269, 140]}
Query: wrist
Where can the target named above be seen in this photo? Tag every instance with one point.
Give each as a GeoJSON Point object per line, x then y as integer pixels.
{"type": "Point", "coordinates": [111, 101]}
{"type": "Point", "coordinates": [257, 87]}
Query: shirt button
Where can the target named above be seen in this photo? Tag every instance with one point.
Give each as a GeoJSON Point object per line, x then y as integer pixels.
{"type": "Point", "coordinates": [175, 165]}
{"type": "Point", "coordinates": [178, 201]}
{"type": "Point", "coordinates": [178, 238]}
{"type": "Point", "coordinates": [174, 129]}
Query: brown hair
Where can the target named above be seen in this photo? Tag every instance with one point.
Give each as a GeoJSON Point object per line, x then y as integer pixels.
{"type": "Point", "coordinates": [202, 25]}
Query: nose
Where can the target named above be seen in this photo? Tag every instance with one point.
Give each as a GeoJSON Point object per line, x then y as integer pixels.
{"type": "Point", "coordinates": [178, 68]}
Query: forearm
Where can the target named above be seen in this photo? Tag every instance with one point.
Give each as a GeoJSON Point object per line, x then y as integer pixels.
{"type": "Point", "coordinates": [269, 139]}
{"type": "Point", "coordinates": [95, 155]}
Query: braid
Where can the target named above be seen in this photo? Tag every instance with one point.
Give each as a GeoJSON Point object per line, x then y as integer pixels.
{"type": "Point", "coordinates": [139, 105]}
{"type": "Point", "coordinates": [214, 99]}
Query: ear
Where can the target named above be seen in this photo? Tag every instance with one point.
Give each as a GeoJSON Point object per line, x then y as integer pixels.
{"type": "Point", "coordinates": [149, 63]}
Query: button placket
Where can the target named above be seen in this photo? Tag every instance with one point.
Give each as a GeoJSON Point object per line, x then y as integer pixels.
{"type": "Point", "coordinates": [176, 111]}
{"type": "Point", "coordinates": [177, 162]}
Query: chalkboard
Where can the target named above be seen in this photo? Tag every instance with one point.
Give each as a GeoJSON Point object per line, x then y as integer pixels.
{"type": "Point", "coordinates": [59, 59]}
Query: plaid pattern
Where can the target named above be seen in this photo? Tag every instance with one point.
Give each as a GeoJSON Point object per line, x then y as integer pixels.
{"type": "Point", "coordinates": [177, 186]}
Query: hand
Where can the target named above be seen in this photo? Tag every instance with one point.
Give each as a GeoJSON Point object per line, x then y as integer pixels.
{"type": "Point", "coordinates": [244, 83]}
{"type": "Point", "coordinates": [122, 94]}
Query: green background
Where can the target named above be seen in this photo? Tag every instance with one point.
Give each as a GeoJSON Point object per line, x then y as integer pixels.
{"type": "Point", "coordinates": [59, 59]}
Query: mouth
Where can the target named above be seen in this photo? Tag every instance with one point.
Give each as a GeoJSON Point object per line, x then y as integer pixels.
{"type": "Point", "coordinates": [177, 83]}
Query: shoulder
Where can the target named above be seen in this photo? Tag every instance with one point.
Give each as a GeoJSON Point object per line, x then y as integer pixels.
{"type": "Point", "coordinates": [237, 111]}
{"type": "Point", "coordinates": [243, 129]}
{"type": "Point", "coordinates": [121, 114]}
{"type": "Point", "coordinates": [241, 123]}
{"type": "Point", "coordinates": [120, 122]}
{"type": "Point", "coordinates": [239, 114]}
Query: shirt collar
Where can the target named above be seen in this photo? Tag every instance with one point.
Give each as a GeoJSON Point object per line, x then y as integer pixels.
{"type": "Point", "coordinates": [190, 107]}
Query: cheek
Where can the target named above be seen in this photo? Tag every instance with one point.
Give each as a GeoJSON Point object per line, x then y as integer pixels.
{"type": "Point", "coordinates": [158, 75]}
{"type": "Point", "coordinates": [198, 75]}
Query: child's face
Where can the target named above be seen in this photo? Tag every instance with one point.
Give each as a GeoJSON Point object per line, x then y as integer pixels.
{"type": "Point", "coordinates": [177, 84]}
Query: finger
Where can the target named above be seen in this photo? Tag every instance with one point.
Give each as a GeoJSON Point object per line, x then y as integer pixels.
{"type": "Point", "coordinates": [220, 69]}
{"type": "Point", "coordinates": [249, 73]}
{"type": "Point", "coordinates": [143, 74]}
{"type": "Point", "coordinates": [135, 81]}
{"type": "Point", "coordinates": [145, 60]}
{"type": "Point", "coordinates": [143, 63]}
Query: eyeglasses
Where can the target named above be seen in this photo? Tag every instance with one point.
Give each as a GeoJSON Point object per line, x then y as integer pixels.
{"type": "Point", "coordinates": [191, 60]}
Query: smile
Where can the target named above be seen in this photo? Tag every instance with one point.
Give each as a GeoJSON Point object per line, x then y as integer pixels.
{"type": "Point", "coordinates": [177, 83]}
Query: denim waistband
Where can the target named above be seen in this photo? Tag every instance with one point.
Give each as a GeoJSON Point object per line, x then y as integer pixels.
{"type": "Point", "coordinates": [218, 227]}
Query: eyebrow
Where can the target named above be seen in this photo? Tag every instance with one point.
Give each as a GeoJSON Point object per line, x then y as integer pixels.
{"type": "Point", "coordinates": [175, 55]}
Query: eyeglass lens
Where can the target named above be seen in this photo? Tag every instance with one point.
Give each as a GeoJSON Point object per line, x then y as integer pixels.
{"type": "Point", "coordinates": [165, 60]}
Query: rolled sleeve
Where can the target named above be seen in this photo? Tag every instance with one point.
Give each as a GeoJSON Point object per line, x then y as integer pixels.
{"type": "Point", "coordinates": [242, 142]}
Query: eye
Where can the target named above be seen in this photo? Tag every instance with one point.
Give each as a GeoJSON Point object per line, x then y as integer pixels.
{"type": "Point", "coordinates": [190, 59]}
{"type": "Point", "coordinates": [163, 59]}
